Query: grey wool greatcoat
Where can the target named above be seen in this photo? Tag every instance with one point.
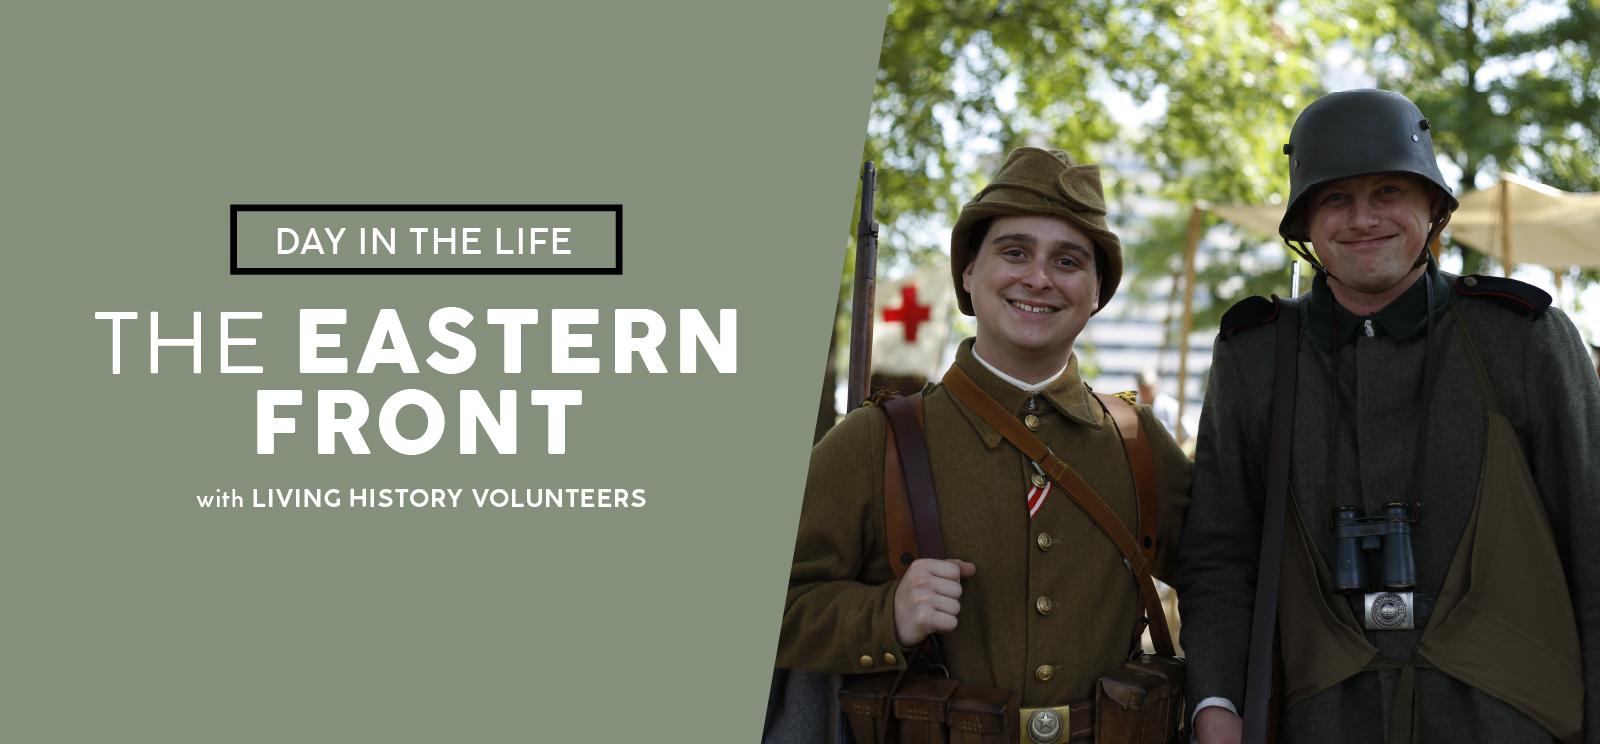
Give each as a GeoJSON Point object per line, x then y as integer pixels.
{"type": "Point", "coordinates": [1541, 377]}
{"type": "Point", "coordinates": [839, 614]}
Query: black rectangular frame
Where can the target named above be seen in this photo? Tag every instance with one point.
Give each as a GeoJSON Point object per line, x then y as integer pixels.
{"type": "Point", "coordinates": [233, 238]}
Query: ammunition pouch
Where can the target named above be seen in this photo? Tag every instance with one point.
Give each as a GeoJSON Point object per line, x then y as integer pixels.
{"type": "Point", "coordinates": [1141, 702]}
{"type": "Point", "coordinates": [904, 708]}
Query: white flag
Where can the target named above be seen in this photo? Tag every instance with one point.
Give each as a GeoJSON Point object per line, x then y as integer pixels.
{"type": "Point", "coordinates": [912, 326]}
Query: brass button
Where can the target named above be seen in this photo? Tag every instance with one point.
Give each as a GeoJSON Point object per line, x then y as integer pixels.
{"type": "Point", "coordinates": [1470, 281]}
{"type": "Point", "coordinates": [1046, 542]}
{"type": "Point", "coordinates": [1044, 672]}
{"type": "Point", "coordinates": [1044, 605]}
{"type": "Point", "coordinates": [888, 659]}
{"type": "Point", "coordinates": [1038, 480]}
{"type": "Point", "coordinates": [866, 661]}
{"type": "Point", "coordinates": [1031, 421]}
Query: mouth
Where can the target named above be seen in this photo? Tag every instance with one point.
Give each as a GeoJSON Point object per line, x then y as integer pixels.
{"type": "Point", "coordinates": [1031, 308]}
{"type": "Point", "coordinates": [1367, 243]}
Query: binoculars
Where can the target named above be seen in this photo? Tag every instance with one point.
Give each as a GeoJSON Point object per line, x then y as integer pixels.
{"type": "Point", "coordinates": [1389, 535]}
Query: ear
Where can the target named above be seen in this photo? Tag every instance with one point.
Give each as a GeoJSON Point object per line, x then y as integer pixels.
{"type": "Point", "coordinates": [966, 276]}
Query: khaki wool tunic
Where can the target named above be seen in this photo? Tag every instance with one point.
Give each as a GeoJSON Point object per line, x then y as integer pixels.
{"type": "Point", "coordinates": [1051, 607]}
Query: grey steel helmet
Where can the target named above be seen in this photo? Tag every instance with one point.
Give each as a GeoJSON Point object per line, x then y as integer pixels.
{"type": "Point", "coordinates": [1353, 133]}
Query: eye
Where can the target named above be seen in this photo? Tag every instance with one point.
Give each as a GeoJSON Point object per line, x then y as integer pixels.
{"type": "Point", "coordinates": [1336, 197]}
{"type": "Point", "coordinates": [1013, 252]}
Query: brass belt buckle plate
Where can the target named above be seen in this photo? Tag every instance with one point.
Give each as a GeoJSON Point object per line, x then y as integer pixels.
{"type": "Point", "coordinates": [1389, 611]}
{"type": "Point", "coordinates": [1046, 725]}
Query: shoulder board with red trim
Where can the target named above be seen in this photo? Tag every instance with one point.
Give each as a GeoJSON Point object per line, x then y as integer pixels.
{"type": "Point", "coordinates": [1519, 296]}
{"type": "Point", "coordinates": [1247, 313]}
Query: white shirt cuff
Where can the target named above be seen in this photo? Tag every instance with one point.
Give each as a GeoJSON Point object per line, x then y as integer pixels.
{"type": "Point", "coordinates": [1214, 702]}
{"type": "Point", "coordinates": [1210, 702]}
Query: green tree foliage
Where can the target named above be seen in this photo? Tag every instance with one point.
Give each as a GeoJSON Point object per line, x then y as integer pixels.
{"type": "Point", "coordinates": [1515, 87]}
{"type": "Point", "coordinates": [1515, 84]}
{"type": "Point", "coordinates": [961, 83]}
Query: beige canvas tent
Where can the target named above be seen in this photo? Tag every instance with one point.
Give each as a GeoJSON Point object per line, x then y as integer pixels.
{"type": "Point", "coordinates": [1521, 221]}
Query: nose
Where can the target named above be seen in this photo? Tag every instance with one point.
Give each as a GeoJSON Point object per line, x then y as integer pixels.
{"type": "Point", "coordinates": [1036, 275]}
{"type": "Point", "coordinates": [1366, 213]}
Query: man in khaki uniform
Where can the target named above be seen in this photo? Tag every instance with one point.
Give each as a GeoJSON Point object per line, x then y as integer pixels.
{"type": "Point", "coordinates": [1037, 603]}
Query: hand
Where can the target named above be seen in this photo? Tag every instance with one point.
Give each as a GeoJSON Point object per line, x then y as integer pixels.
{"type": "Point", "coordinates": [927, 600]}
{"type": "Point", "coordinates": [1217, 725]}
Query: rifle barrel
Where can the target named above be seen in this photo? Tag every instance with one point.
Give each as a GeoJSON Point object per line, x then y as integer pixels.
{"type": "Point", "coordinates": [862, 298]}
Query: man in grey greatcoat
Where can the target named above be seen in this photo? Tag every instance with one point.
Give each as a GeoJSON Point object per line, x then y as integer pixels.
{"type": "Point", "coordinates": [1460, 412]}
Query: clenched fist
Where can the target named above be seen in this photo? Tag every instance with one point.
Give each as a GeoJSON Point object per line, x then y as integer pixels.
{"type": "Point", "coordinates": [928, 598]}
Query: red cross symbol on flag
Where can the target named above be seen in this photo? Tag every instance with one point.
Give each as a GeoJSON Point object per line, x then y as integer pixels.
{"type": "Point", "coordinates": [911, 325]}
{"type": "Point", "coordinates": [909, 314]}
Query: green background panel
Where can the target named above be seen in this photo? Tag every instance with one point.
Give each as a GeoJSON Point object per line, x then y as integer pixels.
{"type": "Point", "coordinates": [730, 131]}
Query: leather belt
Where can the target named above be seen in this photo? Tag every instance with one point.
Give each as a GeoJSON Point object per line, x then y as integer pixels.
{"type": "Point", "coordinates": [1060, 723]}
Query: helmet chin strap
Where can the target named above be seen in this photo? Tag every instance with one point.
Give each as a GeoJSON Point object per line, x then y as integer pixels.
{"type": "Point", "coordinates": [1299, 248]}
{"type": "Point", "coordinates": [1433, 232]}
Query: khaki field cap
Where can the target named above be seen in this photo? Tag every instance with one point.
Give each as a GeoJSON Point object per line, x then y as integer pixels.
{"type": "Point", "coordinates": [1047, 182]}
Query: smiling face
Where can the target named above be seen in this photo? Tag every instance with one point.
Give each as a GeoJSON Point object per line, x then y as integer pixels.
{"type": "Point", "coordinates": [1034, 285]}
{"type": "Point", "coordinates": [1368, 231]}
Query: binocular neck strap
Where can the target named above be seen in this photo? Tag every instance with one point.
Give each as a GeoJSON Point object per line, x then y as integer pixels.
{"type": "Point", "coordinates": [1430, 378]}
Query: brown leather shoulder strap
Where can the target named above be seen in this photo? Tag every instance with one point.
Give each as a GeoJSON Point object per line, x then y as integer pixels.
{"type": "Point", "coordinates": [1275, 508]}
{"type": "Point", "coordinates": [902, 537]}
{"type": "Point", "coordinates": [1080, 491]}
{"type": "Point", "coordinates": [1142, 463]}
{"type": "Point", "coordinates": [910, 511]}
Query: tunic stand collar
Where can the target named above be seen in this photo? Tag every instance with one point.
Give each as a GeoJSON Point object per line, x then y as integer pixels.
{"type": "Point", "coordinates": [1067, 394]}
{"type": "Point", "coordinates": [1403, 319]}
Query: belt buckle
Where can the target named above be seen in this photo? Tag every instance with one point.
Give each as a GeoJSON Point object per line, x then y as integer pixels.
{"type": "Point", "coordinates": [1046, 725]}
{"type": "Point", "coordinates": [1389, 611]}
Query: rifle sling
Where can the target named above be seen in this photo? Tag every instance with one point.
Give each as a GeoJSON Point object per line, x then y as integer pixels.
{"type": "Point", "coordinates": [1275, 502]}
{"type": "Point", "coordinates": [1081, 493]}
{"type": "Point", "coordinates": [911, 514]}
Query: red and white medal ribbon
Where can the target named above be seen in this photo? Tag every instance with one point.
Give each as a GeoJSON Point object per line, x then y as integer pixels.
{"type": "Point", "coordinates": [1036, 497]}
